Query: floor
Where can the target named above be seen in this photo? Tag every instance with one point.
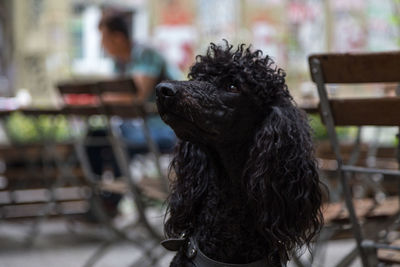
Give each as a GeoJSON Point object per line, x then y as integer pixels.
{"type": "Point", "coordinates": [61, 244]}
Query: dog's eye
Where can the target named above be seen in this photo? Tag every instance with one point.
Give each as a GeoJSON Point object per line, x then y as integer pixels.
{"type": "Point", "coordinates": [233, 89]}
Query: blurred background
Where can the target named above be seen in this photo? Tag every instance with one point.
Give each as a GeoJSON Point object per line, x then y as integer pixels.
{"type": "Point", "coordinates": [45, 42]}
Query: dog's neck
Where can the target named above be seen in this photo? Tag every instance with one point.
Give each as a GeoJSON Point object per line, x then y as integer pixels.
{"type": "Point", "coordinates": [233, 157]}
{"type": "Point", "coordinates": [233, 221]}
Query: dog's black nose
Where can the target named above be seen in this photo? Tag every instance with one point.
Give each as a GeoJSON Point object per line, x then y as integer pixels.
{"type": "Point", "coordinates": [165, 89]}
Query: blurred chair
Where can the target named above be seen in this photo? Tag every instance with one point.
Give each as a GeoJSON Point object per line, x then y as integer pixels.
{"type": "Point", "coordinates": [41, 178]}
{"type": "Point", "coordinates": [384, 111]}
{"type": "Point", "coordinates": [336, 219]}
{"type": "Point", "coordinates": [140, 190]}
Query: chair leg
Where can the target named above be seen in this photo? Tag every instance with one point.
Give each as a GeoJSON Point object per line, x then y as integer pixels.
{"type": "Point", "coordinates": [320, 247]}
{"type": "Point", "coordinates": [297, 261]}
{"type": "Point", "coordinates": [349, 258]}
{"type": "Point", "coordinates": [152, 259]}
{"type": "Point", "coordinates": [353, 218]}
{"type": "Point", "coordinates": [49, 151]}
{"type": "Point", "coordinates": [156, 153]}
{"type": "Point", "coordinates": [371, 252]}
{"type": "Point", "coordinates": [123, 161]}
{"type": "Point", "coordinates": [96, 256]}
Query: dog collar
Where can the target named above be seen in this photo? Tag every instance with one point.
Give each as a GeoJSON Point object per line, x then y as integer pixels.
{"type": "Point", "coordinates": [199, 259]}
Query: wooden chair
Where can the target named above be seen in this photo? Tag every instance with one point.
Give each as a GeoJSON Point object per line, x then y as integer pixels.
{"type": "Point", "coordinates": [42, 178]}
{"type": "Point", "coordinates": [98, 103]}
{"type": "Point", "coordinates": [333, 210]}
{"type": "Point", "coordinates": [383, 111]}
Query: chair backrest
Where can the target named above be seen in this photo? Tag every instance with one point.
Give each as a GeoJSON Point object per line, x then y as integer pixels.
{"type": "Point", "coordinates": [357, 67]}
{"type": "Point", "coordinates": [108, 97]}
{"type": "Point", "coordinates": [124, 85]}
{"type": "Point", "coordinates": [117, 98]}
{"type": "Point", "coordinates": [383, 111]}
{"type": "Point", "coordinates": [353, 68]}
{"type": "Point", "coordinates": [79, 98]}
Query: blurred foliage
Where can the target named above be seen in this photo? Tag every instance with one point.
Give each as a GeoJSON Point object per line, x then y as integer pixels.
{"type": "Point", "coordinates": [395, 19]}
{"type": "Point", "coordinates": [318, 127]}
{"type": "Point", "coordinates": [97, 122]}
{"type": "Point", "coordinates": [320, 132]}
{"type": "Point", "coordinates": [30, 129]}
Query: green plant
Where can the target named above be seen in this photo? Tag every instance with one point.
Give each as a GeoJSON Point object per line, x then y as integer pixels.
{"type": "Point", "coordinates": [320, 132]}
{"type": "Point", "coordinates": [30, 129]}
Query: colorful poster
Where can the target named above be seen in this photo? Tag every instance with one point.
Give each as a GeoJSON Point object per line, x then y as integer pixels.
{"type": "Point", "coordinates": [383, 25]}
{"type": "Point", "coordinates": [306, 30]}
{"type": "Point", "coordinates": [217, 20]}
{"type": "Point", "coordinates": [266, 23]}
{"type": "Point", "coordinates": [348, 20]}
{"type": "Point", "coordinates": [174, 33]}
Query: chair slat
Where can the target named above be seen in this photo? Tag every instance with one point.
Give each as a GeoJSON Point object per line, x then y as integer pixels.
{"type": "Point", "coordinates": [130, 111]}
{"type": "Point", "coordinates": [368, 111]}
{"type": "Point", "coordinates": [310, 109]}
{"type": "Point", "coordinates": [125, 85]}
{"type": "Point", "coordinates": [77, 88]}
{"type": "Point", "coordinates": [388, 255]}
{"type": "Point", "coordinates": [359, 67]}
{"type": "Point", "coordinates": [82, 110]}
{"type": "Point", "coordinates": [37, 112]}
{"type": "Point", "coordinates": [125, 111]}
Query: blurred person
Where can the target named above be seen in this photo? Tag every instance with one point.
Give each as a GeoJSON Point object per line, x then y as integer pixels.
{"type": "Point", "coordinates": [147, 67]}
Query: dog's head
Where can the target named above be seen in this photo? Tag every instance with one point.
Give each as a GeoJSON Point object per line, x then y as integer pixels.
{"type": "Point", "coordinates": [236, 96]}
{"type": "Point", "coordinates": [228, 95]}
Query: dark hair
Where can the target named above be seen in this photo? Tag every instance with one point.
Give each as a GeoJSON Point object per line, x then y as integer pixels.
{"type": "Point", "coordinates": [115, 22]}
{"type": "Point", "coordinates": [279, 210]}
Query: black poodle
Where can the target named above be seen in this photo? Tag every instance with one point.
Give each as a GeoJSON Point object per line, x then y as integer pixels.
{"type": "Point", "coordinates": [245, 187]}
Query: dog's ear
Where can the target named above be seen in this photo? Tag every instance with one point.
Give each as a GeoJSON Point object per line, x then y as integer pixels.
{"type": "Point", "coordinates": [192, 170]}
{"type": "Point", "coordinates": [282, 182]}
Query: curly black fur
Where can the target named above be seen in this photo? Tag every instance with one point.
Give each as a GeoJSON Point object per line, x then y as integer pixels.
{"type": "Point", "coordinates": [245, 182]}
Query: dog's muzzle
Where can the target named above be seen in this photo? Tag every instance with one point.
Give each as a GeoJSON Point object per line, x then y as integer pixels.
{"type": "Point", "coordinates": [166, 90]}
{"type": "Point", "coordinates": [166, 96]}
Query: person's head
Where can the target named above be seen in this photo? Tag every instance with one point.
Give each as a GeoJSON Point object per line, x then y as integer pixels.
{"type": "Point", "coordinates": [115, 35]}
